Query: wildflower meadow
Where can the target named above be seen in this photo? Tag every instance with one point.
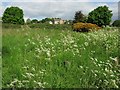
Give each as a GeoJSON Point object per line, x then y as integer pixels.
{"type": "Point", "coordinates": [60, 58]}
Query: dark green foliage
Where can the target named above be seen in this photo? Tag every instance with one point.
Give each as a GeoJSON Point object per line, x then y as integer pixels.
{"type": "Point", "coordinates": [34, 21]}
{"type": "Point", "coordinates": [47, 20]}
{"type": "Point", "coordinates": [5, 50]}
{"type": "Point", "coordinates": [69, 22]}
{"type": "Point", "coordinates": [13, 15]}
{"type": "Point", "coordinates": [100, 16]}
{"type": "Point", "coordinates": [28, 21]}
{"type": "Point", "coordinates": [51, 26]}
{"type": "Point", "coordinates": [11, 26]}
{"type": "Point", "coordinates": [79, 17]}
{"type": "Point", "coordinates": [116, 23]}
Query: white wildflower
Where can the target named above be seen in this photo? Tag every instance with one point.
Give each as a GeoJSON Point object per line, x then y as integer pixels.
{"type": "Point", "coordinates": [95, 75]}
{"type": "Point", "coordinates": [30, 75]}
{"type": "Point", "coordinates": [86, 43]}
{"type": "Point", "coordinates": [81, 67]}
{"type": "Point", "coordinates": [33, 68]}
{"type": "Point", "coordinates": [25, 81]}
{"type": "Point", "coordinates": [24, 75]}
{"type": "Point", "coordinates": [106, 70]}
{"type": "Point", "coordinates": [114, 82]}
{"type": "Point", "coordinates": [96, 59]}
{"type": "Point", "coordinates": [48, 53]}
{"type": "Point", "coordinates": [33, 43]}
{"type": "Point", "coordinates": [72, 41]}
{"type": "Point", "coordinates": [41, 72]}
{"type": "Point", "coordinates": [39, 83]}
{"type": "Point", "coordinates": [104, 74]}
{"type": "Point", "coordinates": [29, 40]}
{"type": "Point", "coordinates": [75, 45]}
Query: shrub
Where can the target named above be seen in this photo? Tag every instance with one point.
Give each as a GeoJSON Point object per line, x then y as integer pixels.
{"type": "Point", "coordinates": [84, 27]}
{"type": "Point", "coordinates": [116, 23]}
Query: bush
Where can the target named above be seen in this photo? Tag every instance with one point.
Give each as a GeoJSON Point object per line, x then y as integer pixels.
{"type": "Point", "coordinates": [84, 27]}
{"type": "Point", "coordinates": [116, 23]}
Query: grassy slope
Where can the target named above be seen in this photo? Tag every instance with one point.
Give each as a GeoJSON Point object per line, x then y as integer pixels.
{"type": "Point", "coordinates": [59, 58]}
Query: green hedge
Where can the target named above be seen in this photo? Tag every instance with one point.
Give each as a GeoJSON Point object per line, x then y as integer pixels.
{"type": "Point", "coordinates": [50, 26]}
{"type": "Point", "coordinates": [12, 26]}
{"type": "Point", "coordinates": [39, 26]}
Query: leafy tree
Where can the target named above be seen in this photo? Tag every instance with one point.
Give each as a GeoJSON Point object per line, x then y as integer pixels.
{"type": "Point", "coordinates": [13, 15]}
{"type": "Point", "coordinates": [47, 20]}
{"type": "Point", "coordinates": [43, 21]}
{"type": "Point", "coordinates": [34, 21]}
{"type": "Point", "coordinates": [79, 17]}
{"type": "Point", "coordinates": [100, 16]}
{"type": "Point", "coordinates": [28, 21]}
{"type": "Point", "coordinates": [68, 22]}
{"type": "Point", "coordinates": [116, 23]}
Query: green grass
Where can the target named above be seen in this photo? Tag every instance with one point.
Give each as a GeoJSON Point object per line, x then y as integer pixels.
{"type": "Point", "coordinates": [59, 58]}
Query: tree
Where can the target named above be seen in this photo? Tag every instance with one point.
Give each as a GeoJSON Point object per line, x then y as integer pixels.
{"type": "Point", "coordinates": [79, 17]}
{"type": "Point", "coordinates": [116, 23]}
{"type": "Point", "coordinates": [46, 20]}
{"type": "Point", "coordinates": [13, 15]}
{"type": "Point", "coordinates": [100, 16]}
{"type": "Point", "coordinates": [34, 21]}
{"type": "Point", "coordinates": [28, 21]}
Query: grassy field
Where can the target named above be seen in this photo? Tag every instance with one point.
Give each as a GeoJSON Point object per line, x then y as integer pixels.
{"type": "Point", "coordinates": [43, 57]}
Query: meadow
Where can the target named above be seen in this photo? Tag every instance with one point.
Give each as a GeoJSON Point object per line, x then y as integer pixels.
{"type": "Point", "coordinates": [59, 57]}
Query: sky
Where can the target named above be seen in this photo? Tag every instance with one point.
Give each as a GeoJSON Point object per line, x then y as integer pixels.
{"type": "Point", "coordinates": [65, 9]}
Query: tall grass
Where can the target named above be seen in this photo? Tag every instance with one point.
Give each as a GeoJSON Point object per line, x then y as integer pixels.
{"type": "Point", "coordinates": [38, 57]}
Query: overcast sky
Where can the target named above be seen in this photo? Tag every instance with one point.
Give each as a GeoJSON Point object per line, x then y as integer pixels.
{"type": "Point", "coordinates": [66, 9]}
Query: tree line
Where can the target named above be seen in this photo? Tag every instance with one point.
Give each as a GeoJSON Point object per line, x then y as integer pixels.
{"type": "Point", "coordinates": [99, 16]}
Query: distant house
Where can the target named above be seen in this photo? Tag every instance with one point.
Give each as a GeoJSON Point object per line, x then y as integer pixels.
{"type": "Point", "coordinates": [62, 21]}
{"type": "Point", "coordinates": [50, 22]}
{"type": "Point", "coordinates": [57, 21]}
